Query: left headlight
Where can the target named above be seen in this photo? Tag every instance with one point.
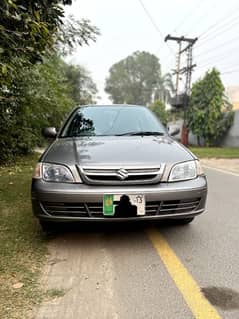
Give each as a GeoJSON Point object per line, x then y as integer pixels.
{"type": "Point", "coordinates": [53, 173]}
{"type": "Point", "coordinates": [185, 171]}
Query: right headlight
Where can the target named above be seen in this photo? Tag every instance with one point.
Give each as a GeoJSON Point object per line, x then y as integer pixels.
{"type": "Point", "coordinates": [185, 171]}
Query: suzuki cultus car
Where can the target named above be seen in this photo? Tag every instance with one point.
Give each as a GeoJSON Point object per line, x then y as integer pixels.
{"type": "Point", "coordinates": [116, 163]}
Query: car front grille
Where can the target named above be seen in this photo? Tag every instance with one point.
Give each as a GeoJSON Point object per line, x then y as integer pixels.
{"type": "Point", "coordinates": [121, 176]}
{"type": "Point", "coordinates": [96, 209]}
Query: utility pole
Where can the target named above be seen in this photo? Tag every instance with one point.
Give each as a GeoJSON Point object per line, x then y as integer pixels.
{"type": "Point", "coordinates": [179, 101]}
{"type": "Point", "coordinates": [177, 71]}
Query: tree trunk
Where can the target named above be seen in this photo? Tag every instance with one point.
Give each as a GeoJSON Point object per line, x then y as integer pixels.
{"type": "Point", "coordinates": [198, 140]}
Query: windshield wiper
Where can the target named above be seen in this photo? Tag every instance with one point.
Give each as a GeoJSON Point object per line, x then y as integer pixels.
{"type": "Point", "coordinates": [142, 133]}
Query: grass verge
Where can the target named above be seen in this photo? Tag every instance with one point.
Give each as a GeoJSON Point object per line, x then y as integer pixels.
{"type": "Point", "coordinates": [215, 152]}
{"type": "Point", "coordinates": [22, 245]}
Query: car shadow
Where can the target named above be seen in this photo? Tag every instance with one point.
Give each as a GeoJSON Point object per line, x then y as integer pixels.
{"type": "Point", "coordinates": [111, 229]}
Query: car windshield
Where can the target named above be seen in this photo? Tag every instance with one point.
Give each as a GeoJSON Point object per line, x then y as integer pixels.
{"type": "Point", "coordinates": [112, 120]}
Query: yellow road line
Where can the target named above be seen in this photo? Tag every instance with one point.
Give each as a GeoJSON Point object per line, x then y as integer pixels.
{"type": "Point", "coordinates": [198, 304]}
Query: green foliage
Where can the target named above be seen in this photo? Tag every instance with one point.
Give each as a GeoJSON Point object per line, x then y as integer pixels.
{"type": "Point", "coordinates": [209, 114]}
{"type": "Point", "coordinates": [73, 33]}
{"type": "Point", "coordinates": [36, 98]}
{"type": "Point", "coordinates": [40, 96]}
{"type": "Point", "coordinates": [31, 29]}
{"type": "Point", "coordinates": [137, 80]}
{"type": "Point", "coordinates": [159, 109]}
{"type": "Point", "coordinates": [36, 87]}
{"type": "Point", "coordinates": [27, 30]}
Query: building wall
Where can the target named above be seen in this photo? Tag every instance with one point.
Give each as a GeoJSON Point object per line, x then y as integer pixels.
{"type": "Point", "coordinates": [235, 106]}
{"type": "Point", "coordinates": [232, 93]}
{"type": "Point", "coordinates": [232, 138]}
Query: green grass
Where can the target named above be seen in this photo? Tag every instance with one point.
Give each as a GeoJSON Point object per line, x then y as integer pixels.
{"type": "Point", "coordinates": [215, 152]}
{"type": "Point", "coordinates": [22, 244]}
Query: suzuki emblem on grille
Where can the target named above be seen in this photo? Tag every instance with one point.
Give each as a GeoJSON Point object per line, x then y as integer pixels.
{"type": "Point", "coordinates": [122, 174]}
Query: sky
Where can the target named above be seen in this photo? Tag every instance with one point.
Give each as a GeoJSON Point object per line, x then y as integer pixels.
{"type": "Point", "coordinates": [127, 26]}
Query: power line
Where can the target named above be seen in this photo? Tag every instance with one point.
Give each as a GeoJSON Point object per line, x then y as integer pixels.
{"type": "Point", "coordinates": [230, 71]}
{"type": "Point", "coordinates": [221, 57]}
{"type": "Point", "coordinates": [217, 22]}
{"type": "Point", "coordinates": [151, 19]}
{"type": "Point", "coordinates": [200, 17]}
{"type": "Point", "coordinates": [226, 22]}
{"type": "Point", "coordinates": [192, 9]}
{"type": "Point", "coordinates": [214, 48]}
{"type": "Point", "coordinates": [154, 24]}
{"type": "Point", "coordinates": [217, 34]}
{"type": "Point", "coordinates": [217, 65]}
{"type": "Point", "coordinates": [220, 25]}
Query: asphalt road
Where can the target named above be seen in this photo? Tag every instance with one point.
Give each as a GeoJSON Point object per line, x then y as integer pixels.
{"type": "Point", "coordinates": [126, 272]}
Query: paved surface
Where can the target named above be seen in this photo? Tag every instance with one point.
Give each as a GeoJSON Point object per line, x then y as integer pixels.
{"type": "Point", "coordinates": [119, 272]}
{"type": "Point", "coordinates": [230, 164]}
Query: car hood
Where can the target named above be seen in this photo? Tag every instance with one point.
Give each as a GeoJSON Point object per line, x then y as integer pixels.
{"type": "Point", "coordinates": [123, 150]}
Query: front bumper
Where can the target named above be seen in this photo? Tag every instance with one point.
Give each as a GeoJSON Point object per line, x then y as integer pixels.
{"type": "Point", "coordinates": [177, 194]}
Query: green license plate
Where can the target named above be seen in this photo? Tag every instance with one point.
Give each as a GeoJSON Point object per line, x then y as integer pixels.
{"type": "Point", "coordinates": [110, 201]}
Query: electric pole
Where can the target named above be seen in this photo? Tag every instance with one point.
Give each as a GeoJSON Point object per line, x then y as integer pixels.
{"type": "Point", "coordinates": [183, 101]}
{"type": "Point", "coordinates": [177, 71]}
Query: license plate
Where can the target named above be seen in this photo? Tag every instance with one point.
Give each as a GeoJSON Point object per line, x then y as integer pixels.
{"type": "Point", "coordinates": [113, 203]}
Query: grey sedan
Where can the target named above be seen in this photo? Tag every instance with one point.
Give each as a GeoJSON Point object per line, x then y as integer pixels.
{"type": "Point", "coordinates": [116, 163]}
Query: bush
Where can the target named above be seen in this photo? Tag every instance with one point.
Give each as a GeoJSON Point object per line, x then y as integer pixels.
{"type": "Point", "coordinates": [39, 96]}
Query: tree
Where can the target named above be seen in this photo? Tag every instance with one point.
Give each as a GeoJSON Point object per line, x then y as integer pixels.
{"type": "Point", "coordinates": [159, 109]}
{"type": "Point", "coordinates": [40, 96]}
{"type": "Point", "coordinates": [82, 88]}
{"type": "Point", "coordinates": [31, 29]}
{"type": "Point", "coordinates": [165, 89]}
{"type": "Point", "coordinates": [136, 79]}
{"type": "Point", "coordinates": [73, 33]}
{"type": "Point", "coordinates": [209, 114]}
{"type": "Point", "coordinates": [34, 88]}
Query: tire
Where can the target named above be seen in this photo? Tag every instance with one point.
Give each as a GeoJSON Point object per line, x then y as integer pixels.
{"type": "Point", "coordinates": [184, 221]}
{"type": "Point", "coordinates": [47, 227]}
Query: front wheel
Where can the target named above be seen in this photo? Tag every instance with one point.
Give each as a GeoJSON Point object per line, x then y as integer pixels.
{"type": "Point", "coordinates": [46, 226]}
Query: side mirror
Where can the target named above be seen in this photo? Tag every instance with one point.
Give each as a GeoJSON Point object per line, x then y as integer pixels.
{"type": "Point", "coordinates": [174, 131]}
{"type": "Point", "coordinates": [49, 132]}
